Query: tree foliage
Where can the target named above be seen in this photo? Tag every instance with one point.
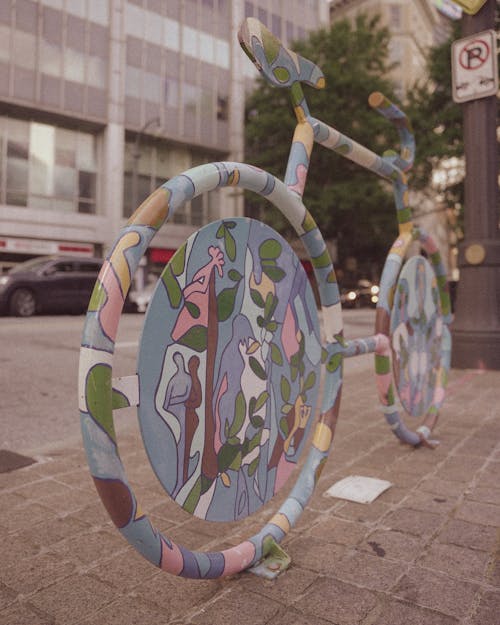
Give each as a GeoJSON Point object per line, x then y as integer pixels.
{"type": "Point", "coordinates": [350, 204]}
{"type": "Point", "coordinates": [436, 120]}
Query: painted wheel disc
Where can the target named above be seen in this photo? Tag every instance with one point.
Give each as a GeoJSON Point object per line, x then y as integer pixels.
{"type": "Point", "coordinates": [229, 369]}
{"type": "Point", "coordinates": [416, 331]}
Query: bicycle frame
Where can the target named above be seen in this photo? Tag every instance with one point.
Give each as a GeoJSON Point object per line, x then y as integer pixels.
{"type": "Point", "coordinates": [284, 68]}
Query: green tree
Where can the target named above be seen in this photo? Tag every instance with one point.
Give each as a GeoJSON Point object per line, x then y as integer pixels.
{"type": "Point", "coordinates": [437, 120]}
{"type": "Point", "coordinates": [349, 203]}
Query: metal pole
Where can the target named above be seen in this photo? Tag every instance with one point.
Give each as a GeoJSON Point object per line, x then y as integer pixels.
{"type": "Point", "coordinates": [476, 329]}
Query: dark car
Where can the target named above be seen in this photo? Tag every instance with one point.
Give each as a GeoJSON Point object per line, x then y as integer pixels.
{"type": "Point", "coordinates": [49, 284]}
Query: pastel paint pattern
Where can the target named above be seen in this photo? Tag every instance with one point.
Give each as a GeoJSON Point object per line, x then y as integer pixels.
{"type": "Point", "coordinates": [264, 443]}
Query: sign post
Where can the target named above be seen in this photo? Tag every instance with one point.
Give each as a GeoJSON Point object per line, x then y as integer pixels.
{"type": "Point", "coordinates": [476, 328]}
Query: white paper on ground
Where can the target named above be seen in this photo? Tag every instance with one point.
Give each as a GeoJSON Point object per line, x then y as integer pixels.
{"type": "Point", "coordinates": [358, 488]}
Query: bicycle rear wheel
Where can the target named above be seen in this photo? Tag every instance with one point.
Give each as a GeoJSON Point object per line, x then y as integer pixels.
{"type": "Point", "coordinates": [413, 355]}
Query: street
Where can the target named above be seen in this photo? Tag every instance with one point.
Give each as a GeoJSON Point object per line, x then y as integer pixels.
{"type": "Point", "coordinates": [39, 360]}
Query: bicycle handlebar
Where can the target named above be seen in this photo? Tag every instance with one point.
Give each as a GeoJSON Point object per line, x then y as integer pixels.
{"type": "Point", "coordinates": [397, 117]}
{"type": "Point", "coordinates": [280, 66]}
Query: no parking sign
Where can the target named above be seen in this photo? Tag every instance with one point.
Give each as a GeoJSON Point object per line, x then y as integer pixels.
{"type": "Point", "coordinates": [474, 66]}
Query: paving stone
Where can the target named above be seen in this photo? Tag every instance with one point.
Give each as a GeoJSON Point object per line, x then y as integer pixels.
{"type": "Point", "coordinates": [90, 547]}
{"type": "Point", "coordinates": [417, 522]}
{"type": "Point", "coordinates": [285, 588]}
{"type": "Point", "coordinates": [368, 570]}
{"type": "Point", "coordinates": [23, 614]}
{"type": "Point", "coordinates": [176, 596]}
{"type": "Point", "coordinates": [129, 611]}
{"type": "Point", "coordinates": [460, 468]}
{"type": "Point", "coordinates": [393, 545]}
{"type": "Point", "coordinates": [251, 609]}
{"type": "Point", "coordinates": [292, 617]}
{"type": "Point", "coordinates": [47, 532]}
{"type": "Point", "coordinates": [444, 488]}
{"type": "Point", "coordinates": [488, 610]}
{"type": "Point", "coordinates": [314, 554]}
{"type": "Point", "coordinates": [430, 502]}
{"type": "Point", "coordinates": [11, 500]}
{"type": "Point", "coordinates": [29, 575]}
{"type": "Point", "coordinates": [15, 548]}
{"type": "Point", "coordinates": [21, 517]}
{"type": "Point", "coordinates": [471, 535]}
{"type": "Point", "coordinates": [493, 571]}
{"type": "Point", "coordinates": [363, 513]}
{"type": "Point", "coordinates": [401, 613]}
{"type": "Point", "coordinates": [80, 595]}
{"type": "Point", "coordinates": [485, 494]}
{"type": "Point", "coordinates": [337, 602]}
{"type": "Point", "coordinates": [476, 512]}
{"type": "Point", "coordinates": [456, 561]}
{"type": "Point", "coordinates": [7, 596]}
{"type": "Point", "coordinates": [38, 491]}
{"type": "Point", "coordinates": [126, 571]}
{"type": "Point", "coordinates": [335, 530]}
{"type": "Point", "coordinates": [490, 475]}
{"type": "Point", "coordinates": [436, 591]}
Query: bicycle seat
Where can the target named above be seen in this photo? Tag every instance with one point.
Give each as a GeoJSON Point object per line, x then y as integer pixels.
{"type": "Point", "coordinates": [279, 65]}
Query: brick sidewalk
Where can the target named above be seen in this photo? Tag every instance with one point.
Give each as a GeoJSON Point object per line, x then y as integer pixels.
{"type": "Point", "coordinates": [426, 552]}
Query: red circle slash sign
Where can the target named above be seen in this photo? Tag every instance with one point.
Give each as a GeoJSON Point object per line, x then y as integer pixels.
{"type": "Point", "coordinates": [474, 54]}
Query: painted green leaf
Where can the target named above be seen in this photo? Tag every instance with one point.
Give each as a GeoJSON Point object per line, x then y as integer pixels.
{"type": "Point", "coordinates": [276, 274]}
{"type": "Point", "coordinates": [227, 454]}
{"type": "Point", "coordinates": [252, 467]}
{"type": "Point", "coordinates": [97, 396]}
{"type": "Point", "coordinates": [220, 231]}
{"type": "Point", "coordinates": [272, 326]}
{"type": "Point", "coordinates": [270, 305]}
{"type": "Point", "coordinates": [257, 368]}
{"type": "Point", "coordinates": [230, 245]}
{"type": "Point", "coordinates": [257, 421]}
{"type": "Point", "coordinates": [193, 497]}
{"type": "Point", "coordinates": [251, 405]}
{"type": "Point", "coordinates": [257, 298]}
{"type": "Point", "coordinates": [334, 362]}
{"type": "Point", "coordinates": [193, 309]}
{"type": "Point", "coordinates": [276, 355]}
{"type": "Point", "coordinates": [285, 389]}
{"type": "Point", "coordinates": [234, 275]}
{"type": "Point", "coordinates": [98, 297]}
{"type": "Point", "coordinates": [225, 303]}
{"type": "Point", "coordinates": [284, 425]}
{"type": "Point", "coordinates": [261, 400]}
{"type": "Point", "coordinates": [270, 249]}
{"type": "Point", "coordinates": [174, 292]}
{"type": "Point", "coordinates": [310, 381]}
{"type": "Point", "coordinates": [119, 400]}
{"type": "Point", "coordinates": [195, 338]}
{"type": "Point", "coordinates": [178, 260]}
{"type": "Point", "coordinates": [239, 414]}
{"type": "Point", "coordinates": [236, 463]}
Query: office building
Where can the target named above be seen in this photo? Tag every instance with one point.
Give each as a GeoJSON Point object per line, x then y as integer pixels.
{"type": "Point", "coordinates": [101, 101]}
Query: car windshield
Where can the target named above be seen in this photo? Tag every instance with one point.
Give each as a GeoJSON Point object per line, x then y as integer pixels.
{"type": "Point", "coordinates": [29, 265]}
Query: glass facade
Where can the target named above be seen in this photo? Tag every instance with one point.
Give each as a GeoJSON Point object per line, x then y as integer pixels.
{"type": "Point", "coordinates": [48, 167]}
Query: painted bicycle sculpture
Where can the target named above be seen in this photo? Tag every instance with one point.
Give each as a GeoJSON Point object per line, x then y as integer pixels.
{"type": "Point", "coordinates": [231, 354]}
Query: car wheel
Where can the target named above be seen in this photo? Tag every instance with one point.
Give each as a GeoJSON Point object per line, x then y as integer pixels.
{"type": "Point", "coordinates": [23, 303]}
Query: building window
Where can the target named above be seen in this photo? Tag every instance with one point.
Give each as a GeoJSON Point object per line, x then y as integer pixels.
{"type": "Point", "coordinates": [222, 108]}
{"type": "Point", "coordinates": [395, 16]}
{"type": "Point", "coordinates": [47, 167]}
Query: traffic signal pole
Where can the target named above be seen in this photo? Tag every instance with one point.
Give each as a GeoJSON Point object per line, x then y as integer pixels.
{"type": "Point", "coordinates": [476, 328]}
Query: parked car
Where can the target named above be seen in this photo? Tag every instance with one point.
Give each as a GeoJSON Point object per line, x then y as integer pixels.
{"type": "Point", "coordinates": [363, 294]}
{"type": "Point", "coordinates": [49, 284]}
